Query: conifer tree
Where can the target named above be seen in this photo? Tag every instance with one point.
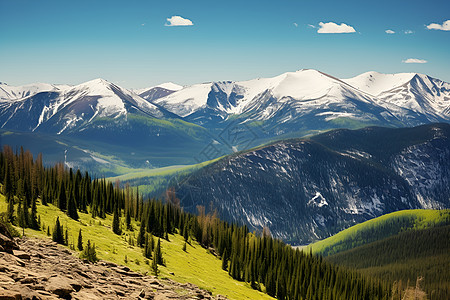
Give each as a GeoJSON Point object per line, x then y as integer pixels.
{"type": "Point", "coordinates": [58, 236]}
{"type": "Point", "coordinates": [62, 198]}
{"type": "Point", "coordinates": [116, 221]}
{"type": "Point", "coordinates": [10, 209]}
{"type": "Point", "coordinates": [128, 219]}
{"type": "Point", "coordinates": [33, 217]}
{"type": "Point", "coordinates": [66, 237]}
{"type": "Point", "coordinates": [80, 241]}
{"type": "Point", "coordinates": [21, 217]}
{"type": "Point", "coordinates": [141, 235]}
{"type": "Point", "coordinates": [158, 253]}
{"type": "Point", "coordinates": [24, 214]}
{"type": "Point", "coordinates": [7, 186]}
{"type": "Point", "coordinates": [148, 247]}
{"type": "Point", "coordinates": [224, 261]}
{"type": "Point", "coordinates": [72, 206]}
{"type": "Point", "coordinates": [89, 252]}
{"type": "Point", "coordinates": [155, 270]}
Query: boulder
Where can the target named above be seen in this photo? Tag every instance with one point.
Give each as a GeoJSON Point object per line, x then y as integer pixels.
{"type": "Point", "coordinates": [10, 295]}
{"type": "Point", "coordinates": [60, 286]}
{"type": "Point", "coordinates": [21, 254]}
{"type": "Point", "coordinates": [7, 243]}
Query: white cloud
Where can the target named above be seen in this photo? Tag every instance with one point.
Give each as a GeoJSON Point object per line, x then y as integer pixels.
{"type": "Point", "coordinates": [331, 27]}
{"type": "Point", "coordinates": [445, 26]}
{"type": "Point", "coordinates": [178, 21]}
{"type": "Point", "coordinates": [389, 31]}
{"type": "Point", "coordinates": [295, 24]}
{"type": "Point", "coordinates": [408, 32]}
{"type": "Point", "coordinates": [312, 26]}
{"type": "Point", "coordinates": [414, 61]}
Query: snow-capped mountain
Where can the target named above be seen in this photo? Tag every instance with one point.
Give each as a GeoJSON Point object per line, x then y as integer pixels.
{"type": "Point", "coordinates": [17, 92]}
{"type": "Point", "coordinates": [100, 117]}
{"type": "Point", "coordinates": [413, 92]}
{"type": "Point", "coordinates": [158, 91]}
{"type": "Point", "coordinates": [312, 100]}
{"type": "Point", "coordinates": [288, 105]}
{"type": "Point", "coordinates": [60, 110]}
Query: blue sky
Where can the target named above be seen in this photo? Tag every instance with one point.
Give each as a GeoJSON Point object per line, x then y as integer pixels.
{"type": "Point", "coordinates": [127, 42]}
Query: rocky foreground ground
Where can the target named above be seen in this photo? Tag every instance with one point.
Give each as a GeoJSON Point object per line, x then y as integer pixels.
{"type": "Point", "coordinates": [40, 269]}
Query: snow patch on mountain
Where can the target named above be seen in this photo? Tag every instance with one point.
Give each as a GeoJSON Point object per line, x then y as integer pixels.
{"type": "Point", "coordinates": [19, 92]}
{"type": "Point", "coordinates": [318, 200]}
{"type": "Point", "coordinates": [375, 83]}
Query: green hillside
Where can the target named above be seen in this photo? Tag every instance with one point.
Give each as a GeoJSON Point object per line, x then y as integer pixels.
{"type": "Point", "coordinates": [154, 182]}
{"type": "Point", "coordinates": [405, 257]}
{"type": "Point", "coordinates": [380, 228]}
{"type": "Point", "coordinates": [152, 236]}
{"type": "Point", "coordinates": [196, 265]}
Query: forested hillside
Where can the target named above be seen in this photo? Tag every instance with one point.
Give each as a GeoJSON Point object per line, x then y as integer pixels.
{"type": "Point", "coordinates": [404, 258]}
{"type": "Point", "coordinates": [264, 263]}
{"type": "Point", "coordinates": [381, 228]}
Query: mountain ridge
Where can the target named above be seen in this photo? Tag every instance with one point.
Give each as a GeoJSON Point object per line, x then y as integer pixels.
{"type": "Point", "coordinates": [308, 189]}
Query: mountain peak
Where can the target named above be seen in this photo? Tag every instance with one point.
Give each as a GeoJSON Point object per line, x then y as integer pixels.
{"type": "Point", "coordinates": [374, 83]}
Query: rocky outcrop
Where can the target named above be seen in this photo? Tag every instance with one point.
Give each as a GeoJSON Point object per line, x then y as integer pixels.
{"type": "Point", "coordinates": [41, 269]}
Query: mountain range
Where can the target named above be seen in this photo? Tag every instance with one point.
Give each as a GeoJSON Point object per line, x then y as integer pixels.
{"type": "Point", "coordinates": [304, 190]}
{"type": "Point", "coordinates": [103, 118]}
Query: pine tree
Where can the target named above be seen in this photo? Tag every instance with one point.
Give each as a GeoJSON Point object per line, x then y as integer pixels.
{"type": "Point", "coordinates": [7, 186]}
{"type": "Point", "coordinates": [186, 233]}
{"type": "Point", "coordinates": [89, 252]}
{"type": "Point", "coordinates": [58, 236]}
{"type": "Point", "coordinates": [21, 218]}
{"type": "Point", "coordinates": [10, 209]}
{"type": "Point", "coordinates": [158, 253]}
{"type": "Point", "coordinates": [141, 235]}
{"type": "Point", "coordinates": [128, 220]}
{"type": "Point", "coordinates": [62, 198]}
{"type": "Point", "coordinates": [72, 206]}
{"type": "Point", "coordinates": [224, 261]}
{"type": "Point", "coordinates": [155, 270]}
{"type": "Point", "coordinates": [33, 217]}
{"type": "Point", "coordinates": [80, 241]}
{"type": "Point", "coordinates": [184, 247]}
{"type": "Point", "coordinates": [116, 221]}
{"type": "Point", "coordinates": [148, 247]}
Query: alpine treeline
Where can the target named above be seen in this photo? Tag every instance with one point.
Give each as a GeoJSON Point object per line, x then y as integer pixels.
{"type": "Point", "coordinates": [265, 263]}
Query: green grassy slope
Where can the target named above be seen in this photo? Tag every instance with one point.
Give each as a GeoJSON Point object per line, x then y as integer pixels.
{"type": "Point", "coordinates": [380, 228]}
{"type": "Point", "coordinates": [153, 182]}
{"type": "Point", "coordinates": [406, 256]}
{"type": "Point", "coordinates": [196, 266]}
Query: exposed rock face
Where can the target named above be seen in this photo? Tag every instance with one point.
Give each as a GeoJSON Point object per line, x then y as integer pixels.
{"type": "Point", "coordinates": [308, 189]}
{"type": "Point", "coordinates": [45, 270]}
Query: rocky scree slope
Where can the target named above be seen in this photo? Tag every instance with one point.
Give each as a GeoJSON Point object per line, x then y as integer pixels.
{"type": "Point", "coordinates": [40, 269]}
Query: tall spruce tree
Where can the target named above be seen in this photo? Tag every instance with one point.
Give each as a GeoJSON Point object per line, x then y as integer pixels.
{"type": "Point", "coordinates": [33, 217]}
{"type": "Point", "coordinates": [116, 221]}
{"type": "Point", "coordinates": [21, 217]}
{"type": "Point", "coordinates": [62, 197]}
{"type": "Point", "coordinates": [72, 206]}
{"type": "Point", "coordinates": [89, 253]}
{"type": "Point", "coordinates": [80, 241]}
{"type": "Point", "coordinates": [158, 253]}
{"type": "Point", "coordinates": [155, 270]}
{"type": "Point", "coordinates": [10, 209]}
{"type": "Point", "coordinates": [58, 235]}
{"type": "Point", "coordinates": [141, 235]}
